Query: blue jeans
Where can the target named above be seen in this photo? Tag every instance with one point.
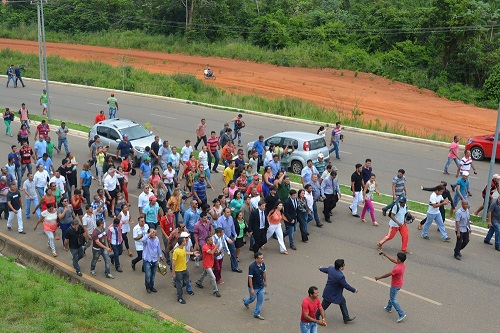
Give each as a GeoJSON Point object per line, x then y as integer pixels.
{"type": "Point", "coordinates": [308, 327]}
{"type": "Point", "coordinates": [495, 228]}
{"type": "Point", "coordinates": [117, 251]}
{"type": "Point", "coordinates": [182, 279]}
{"type": "Point", "coordinates": [150, 273]}
{"type": "Point", "coordinates": [335, 149]}
{"type": "Point", "coordinates": [20, 79]}
{"type": "Point", "coordinates": [216, 157]}
{"type": "Point", "coordinates": [259, 294]}
{"type": "Point", "coordinates": [394, 302]}
{"type": "Point", "coordinates": [77, 255]}
{"type": "Point", "coordinates": [61, 142]}
{"type": "Point", "coordinates": [232, 250]}
{"type": "Point", "coordinates": [23, 169]}
{"type": "Point", "coordinates": [28, 206]}
{"type": "Point", "coordinates": [112, 113]}
{"type": "Point", "coordinates": [95, 255]}
{"type": "Point", "coordinates": [315, 213]}
{"type": "Point", "coordinates": [64, 227]}
{"type": "Point", "coordinates": [456, 160]}
{"type": "Point", "coordinates": [456, 199]}
{"type": "Point", "coordinates": [289, 230]}
{"type": "Point", "coordinates": [41, 191]}
{"type": "Point", "coordinates": [439, 221]}
{"type": "Point", "coordinates": [19, 174]}
{"type": "Point", "coordinates": [11, 77]}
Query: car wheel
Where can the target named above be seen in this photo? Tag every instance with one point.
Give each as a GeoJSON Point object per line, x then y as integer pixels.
{"type": "Point", "coordinates": [297, 167]}
{"type": "Point", "coordinates": [477, 154]}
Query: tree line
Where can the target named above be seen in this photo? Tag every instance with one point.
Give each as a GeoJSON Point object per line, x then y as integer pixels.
{"type": "Point", "coordinates": [430, 43]}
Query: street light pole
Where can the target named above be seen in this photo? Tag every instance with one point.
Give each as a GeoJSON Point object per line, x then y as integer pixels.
{"type": "Point", "coordinates": [40, 51]}
{"type": "Point", "coordinates": [492, 165]}
{"type": "Point", "coordinates": [45, 60]}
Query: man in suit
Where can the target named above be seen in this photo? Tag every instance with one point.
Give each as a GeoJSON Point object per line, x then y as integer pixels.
{"type": "Point", "coordinates": [258, 224]}
{"type": "Point", "coordinates": [334, 288]}
{"type": "Point", "coordinates": [290, 210]}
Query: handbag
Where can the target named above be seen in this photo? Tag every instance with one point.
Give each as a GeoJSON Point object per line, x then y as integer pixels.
{"type": "Point", "coordinates": [162, 268]}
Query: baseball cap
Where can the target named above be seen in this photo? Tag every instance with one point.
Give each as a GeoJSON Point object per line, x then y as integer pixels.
{"type": "Point", "coordinates": [152, 198]}
{"type": "Point", "coordinates": [125, 135]}
{"type": "Point", "coordinates": [112, 94]}
{"type": "Point", "coordinates": [184, 234]}
{"type": "Point", "coordinates": [403, 199]}
{"type": "Point", "coordinates": [255, 177]}
{"type": "Point", "coordinates": [147, 158]}
{"type": "Point", "coordinates": [496, 176]}
{"type": "Point", "coordinates": [320, 155]}
{"type": "Point", "coordinates": [465, 173]}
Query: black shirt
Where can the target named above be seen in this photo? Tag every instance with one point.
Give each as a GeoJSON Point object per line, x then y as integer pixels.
{"type": "Point", "coordinates": [357, 178]}
{"type": "Point", "coordinates": [15, 199]}
{"type": "Point", "coordinates": [72, 236]}
{"type": "Point", "coordinates": [155, 146]}
{"type": "Point", "coordinates": [271, 201]}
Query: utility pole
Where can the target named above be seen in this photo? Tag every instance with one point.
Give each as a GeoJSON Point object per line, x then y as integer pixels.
{"type": "Point", "coordinates": [40, 52]}
{"type": "Point", "coordinates": [492, 165]}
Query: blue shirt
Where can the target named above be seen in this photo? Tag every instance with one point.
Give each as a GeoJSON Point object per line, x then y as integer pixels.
{"type": "Point", "coordinates": [151, 251]}
{"type": "Point", "coordinates": [306, 174]}
{"type": "Point", "coordinates": [463, 186]}
{"type": "Point", "coordinates": [151, 213]}
{"type": "Point", "coordinates": [125, 148]}
{"type": "Point", "coordinates": [259, 146]}
{"type": "Point", "coordinates": [86, 176]}
{"type": "Point", "coordinates": [47, 165]}
{"type": "Point", "coordinates": [201, 189]}
{"type": "Point", "coordinates": [275, 167]}
{"type": "Point", "coordinates": [41, 148]}
{"type": "Point", "coordinates": [256, 272]}
{"type": "Point", "coordinates": [146, 170]}
{"type": "Point", "coordinates": [15, 157]}
{"type": "Point", "coordinates": [227, 224]}
{"type": "Point", "coordinates": [190, 218]}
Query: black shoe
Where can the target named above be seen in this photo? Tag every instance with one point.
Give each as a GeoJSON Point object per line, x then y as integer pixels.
{"type": "Point", "coordinates": [215, 171]}
{"type": "Point", "coordinates": [154, 290]}
{"type": "Point", "coordinates": [350, 209]}
{"type": "Point", "coordinates": [293, 247]}
{"type": "Point", "coordinates": [79, 273]}
{"type": "Point", "coordinates": [148, 290]}
{"type": "Point", "coordinates": [199, 285]}
{"type": "Point", "coordinates": [384, 212]}
{"type": "Point", "coordinates": [457, 257]}
{"type": "Point", "coordinates": [181, 300]}
{"type": "Point", "coordinates": [321, 225]}
{"type": "Point", "coordinates": [497, 248]}
{"type": "Point", "coordinates": [355, 215]}
{"type": "Point", "coordinates": [22, 232]}
{"type": "Point", "coordinates": [485, 242]}
{"type": "Point", "coordinates": [190, 292]}
{"type": "Point", "coordinates": [237, 270]}
{"type": "Point", "coordinates": [133, 266]}
{"type": "Point", "coordinates": [453, 187]}
{"type": "Point", "coordinates": [348, 320]}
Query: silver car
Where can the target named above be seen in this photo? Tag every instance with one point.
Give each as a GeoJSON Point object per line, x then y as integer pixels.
{"type": "Point", "coordinates": [307, 147]}
{"type": "Point", "coordinates": [111, 132]}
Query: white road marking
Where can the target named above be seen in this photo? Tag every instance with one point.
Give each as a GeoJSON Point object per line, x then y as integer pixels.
{"type": "Point", "coordinates": [404, 291]}
{"type": "Point", "coordinates": [345, 152]}
{"type": "Point", "coordinates": [103, 105]}
{"type": "Point", "coordinates": [158, 115]}
{"type": "Point", "coordinates": [431, 169]}
{"type": "Point", "coordinates": [247, 133]}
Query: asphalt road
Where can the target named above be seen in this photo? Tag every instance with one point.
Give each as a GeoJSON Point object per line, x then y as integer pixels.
{"type": "Point", "coordinates": [440, 294]}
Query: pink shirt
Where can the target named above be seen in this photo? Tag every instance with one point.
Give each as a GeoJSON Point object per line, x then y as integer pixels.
{"type": "Point", "coordinates": [398, 273]}
{"type": "Point", "coordinates": [201, 129]}
{"type": "Point", "coordinates": [453, 152]}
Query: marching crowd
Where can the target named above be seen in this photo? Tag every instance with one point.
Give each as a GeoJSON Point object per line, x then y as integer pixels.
{"type": "Point", "coordinates": [177, 222]}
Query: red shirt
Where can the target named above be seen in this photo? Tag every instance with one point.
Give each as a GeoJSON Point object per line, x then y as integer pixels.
{"type": "Point", "coordinates": [208, 259]}
{"type": "Point", "coordinates": [99, 117]}
{"type": "Point", "coordinates": [26, 155]}
{"type": "Point", "coordinates": [167, 224]}
{"type": "Point", "coordinates": [310, 307]}
{"type": "Point", "coordinates": [398, 273]}
{"type": "Point", "coordinates": [43, 130]}
{"type": "Point", "coordinates": [249, 188]}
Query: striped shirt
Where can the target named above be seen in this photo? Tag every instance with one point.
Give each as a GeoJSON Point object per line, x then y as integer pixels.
{"type": "Point", "coordinates": [399, 185]}
{"type": "Point", "coordinates": [213, 144]}
{"type": "Point", "coordinates": [465, 164]}
{"type": "Point", "coordinates": [336, 134]}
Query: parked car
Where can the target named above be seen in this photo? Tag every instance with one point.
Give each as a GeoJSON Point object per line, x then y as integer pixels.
{"type": "Point", "coordinates": [307, 147]}
{"type": "Point", "coordinates": [482, 146]}
{"type": "Point", "coordinates": [111, 132]}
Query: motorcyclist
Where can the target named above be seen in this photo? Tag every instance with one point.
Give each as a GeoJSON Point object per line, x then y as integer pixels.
{"type": "Point", "coordinates": [208, 72]}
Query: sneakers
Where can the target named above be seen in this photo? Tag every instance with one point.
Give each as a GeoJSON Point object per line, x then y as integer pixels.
{"type": "Point", "coordinates": [92, 273]}
{"type": "Point", "coordinates": [181, 300]}
{"type": "Point", "coordinates": [447, 239]}
{"type": "Point", "coordinates": [259, 317]}
{"type": "Point", "coordinates": [453, 187]}
{"type": "Point", "coordinates": [133, 266]}
{"type": "Point", "coordinates": [400, 319]}
{"type": "Point", "coordinates": [246, 305]}
{"type": "Point", "coordinates": [386, 309]}
{"type": "Point", "coordinates": [190, 292]}
{"type": "Point", "coordinates": [109, 276]}
{"type": "Point", "coordinates": [199, 285]}
{"type": "Point", "coordinates": [216, 294]}
{"type": "Point", "coordinates": [425, 237]}
{"type": "Point", "coordinates": [79, 273]}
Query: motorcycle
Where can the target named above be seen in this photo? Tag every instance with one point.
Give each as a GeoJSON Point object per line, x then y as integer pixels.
{"type": "Point", "coordinates": [209, 75]}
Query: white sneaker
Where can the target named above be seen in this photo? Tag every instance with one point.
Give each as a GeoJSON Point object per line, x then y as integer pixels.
{"type": "Point", "coordinates": [400, 319]}
{"type": "Point", "coordinates": [92, 273]}
{"type": "Point", "coordinates": [109, 276]}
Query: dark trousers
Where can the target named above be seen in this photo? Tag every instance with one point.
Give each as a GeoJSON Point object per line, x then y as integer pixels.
{"type": "Point", "coordinates": [117, 252]}
{"type": "Point", "coordinates": [77, 254]}
{"type": "Point", "coordinates": [260, 240]}
{"type": "Point", "coordinates": [5, 209]}
{"type": "Point", "coordinates": [462, 242]}
{"type": "Point", "coordinates": [138, 258]}
{"type": "Point", "coordinates": [329, 204]}
{"type": "Point", "coordinates": [203, 138]}
{"type": "Point", "coordinates": [343, 308]}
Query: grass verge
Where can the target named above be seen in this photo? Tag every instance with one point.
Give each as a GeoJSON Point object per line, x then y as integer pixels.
{"type": "Point", "coordinates": [34, 301]}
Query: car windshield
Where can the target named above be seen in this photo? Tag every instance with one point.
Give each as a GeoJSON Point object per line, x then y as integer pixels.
{"type": "Point", "coordinates": [317, 144]}
{"type": "Point", "coordinates": [135, 132]}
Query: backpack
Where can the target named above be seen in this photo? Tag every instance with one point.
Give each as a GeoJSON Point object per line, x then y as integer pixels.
{"type": "Point", "coordinates": [91, 142]}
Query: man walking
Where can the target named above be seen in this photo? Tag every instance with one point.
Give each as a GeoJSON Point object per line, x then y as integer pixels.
{"type": "Point", "coordinates": [17, 71]}
{"type": "Point", "coordinates": [398, 190]}
{"type": "Point", "coordinates": [337, 136]}
{"type": "Point", "coordinates": [462, 228]}
{"type": "Point", "coordinates": [74, 242]}
{"type": "Point", "coordinates": [397, 278]}
{"type": "Point", "coordinates": [331, 192]}
{"type": "Point", "coordinates": [179, 268]}
{"type": "Point", "coordinates": [356, 189]}
{"type": "Point", "coordinates": [113, 106]}
{"type": "Point", "coordinates": [213, 150]}
{"type": "Point", "coordinates": [208, 251]}
{"type": "Point", "coordinates": [115, 240]}
{"type": "Point", "coordinates": [226, 222]}
{"type": "Point", "coordinates": [100, 248]}
{"type": "Point", "coordinates": [201, 133]}
{"type": "Point", "coordinates": [397, 222]}
{"type": "Point", "coordinates": [452, 154]}
{"type": "Point", "coordinates": [62, 137]}
{"type": "Point", "coordinates": [493, 224]}
{"type": "Point", "coordinates": [150, 255]}
{"type": "Point", "coordinates": [44, 100]}
{"type": "Point", "coordinates": [257, 283]}
{"type": "Point", "coordinates": [15, 208]}
{"type": "Point", "coordinates": [310, 307]}
{"type": "Point", "coordinates": [433, 214]}
{"type": "Point", "coordinates": [10, 76]}
{"type": "Point", "coordinates": [335, 285]}
{"type": "Point", "coordinates": [138, 233]}
{"type": "Point", "coordinates": [258, 224]}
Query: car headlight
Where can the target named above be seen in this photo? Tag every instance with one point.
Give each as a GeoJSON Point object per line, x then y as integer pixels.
{"type": "Point", "coordinates": [139, 149]}
{"type": "Point", "coordinates": [470, 141]}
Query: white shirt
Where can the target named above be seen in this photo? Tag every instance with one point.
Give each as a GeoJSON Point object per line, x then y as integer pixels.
{"type": "Point", "coordinates": [143, 200]}
{"type": "Point", "coordinates": [110, 182]}
{"type": "Point", "coordinates": [399, 215]}
{"type": "Point", "coordinates": [203, 159]}
{"type": "Point", "coordinates": [29, 187]}
{"type": "Point", "coordinates": [138, 231]}
{"type": "Point", "coordinates": [185, 153]}
{"type": "Point", "coordinates": [268, 158]}
{"type": "Point", "coordinates": [169, 176]}
{"type": "Point", "coordinates": [40, 178]}
{"type": "Point", "coordinates": [125, 221]}
{"type": "Point", "coordinates": [60, 183]}
{"type": "Point", "coordinates": [433, 200]}
{"type": "Point", "coordinates": [255, 201]}
{"type": "Point", "coordinates": [309, 200]}
{"type": "Point", "coordinates": [89, 222]}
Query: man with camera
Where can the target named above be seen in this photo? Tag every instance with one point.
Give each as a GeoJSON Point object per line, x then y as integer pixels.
{"type": "Point", "coordinates": [399, 217]}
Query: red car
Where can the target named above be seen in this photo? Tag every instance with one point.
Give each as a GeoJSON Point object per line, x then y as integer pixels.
{"type": "Point", "coordinates": [482, 146]}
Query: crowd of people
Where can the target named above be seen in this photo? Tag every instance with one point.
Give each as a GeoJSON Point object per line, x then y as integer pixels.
{"type": "Point", "coordinates": [177, 222]}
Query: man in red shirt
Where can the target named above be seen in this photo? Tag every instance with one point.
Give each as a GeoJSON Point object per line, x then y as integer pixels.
{"type": "Point", "coordinates": [312, 309]}
{"type": "Point", "coordinates": [26, 154]}
{"type": "Point", "coordinates": [42, 130]}
{"type": "Point", "coordinates": [99, 117]}
{"type": "Point", "coordinates": [397, 277]}
{"type": "Point", "coordinates": [208, 251]}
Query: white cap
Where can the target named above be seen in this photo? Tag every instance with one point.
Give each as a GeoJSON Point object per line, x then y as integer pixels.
{"type": "Point", "coordinates": [465, 173]}
{"type": "Point", "coordinates": [496, 176]}
{"type": "Point", "coordinates": [184, 234]}
{"type": "Point", "coordinates": [321, 155]}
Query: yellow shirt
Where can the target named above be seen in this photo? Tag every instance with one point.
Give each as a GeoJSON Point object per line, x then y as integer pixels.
{"type": "Point", "coordinates": [228, 175]}
{"type": "Point", "coordinates": [179, 256]}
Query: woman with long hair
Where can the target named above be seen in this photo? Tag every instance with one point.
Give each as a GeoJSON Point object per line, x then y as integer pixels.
{"type": "Point", "coordinates": [267, 180]}
{"type": "Point", "coordinates": [174, 202]}
{"type": "Point", "coordinates": [126, 220]}
{"type": "Point", "coordinates": [23, 135]}
{"type": "Point", "coordinates": [274, 217]}
{"type": "Point", "coordinates": [303, 214]}
{"type": "Point", "coordinates": [126, 169]}
{"type": "Point", "coordinates": [49, 219]}
{"type": "Point", "coordinates": [85, 181]}
{"type": "Point", "coordinates": [236, 204]}
{"type": "Point", "coordinates": [241, 229]}
{"type": "Point", "coordinates": [8, 116]}
{"type": "Point", "coordinates": [155, 177]}
{"type": "Point", "coordinates": [369, 189]}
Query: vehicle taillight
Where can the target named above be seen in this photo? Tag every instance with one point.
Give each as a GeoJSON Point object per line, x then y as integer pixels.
{"type": "Point", "coordinates": [306, 146]}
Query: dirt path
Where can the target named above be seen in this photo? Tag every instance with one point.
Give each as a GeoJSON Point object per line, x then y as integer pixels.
{"type": "Point", "coordinates": [391, 102]}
